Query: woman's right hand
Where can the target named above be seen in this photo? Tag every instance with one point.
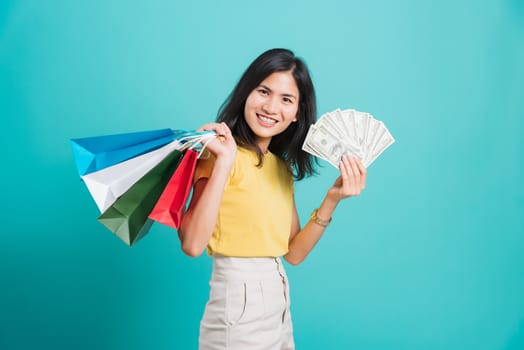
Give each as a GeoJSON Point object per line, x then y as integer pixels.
{"type": "Point", "coordinates": [223, 147]}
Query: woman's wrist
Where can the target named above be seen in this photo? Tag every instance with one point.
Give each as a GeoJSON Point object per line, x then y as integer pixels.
{"type": "Point", "coordinates": [319, 220]}
{"type": "Point", "coordinates": [325, 212]}
{"type": "Point", "coordinates": [225, 161]}
{"type": "Point", "coordinates": [330, 203]}
{"type": "Point", "coordinates": [221, 169]}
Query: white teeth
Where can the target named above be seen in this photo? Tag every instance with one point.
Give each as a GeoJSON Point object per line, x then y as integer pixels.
{"type": "Point", "coordinates": [266, 120]}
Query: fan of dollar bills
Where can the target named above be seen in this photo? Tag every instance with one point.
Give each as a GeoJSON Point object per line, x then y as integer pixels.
{"type": "Point", "coordinates": [349, 132]}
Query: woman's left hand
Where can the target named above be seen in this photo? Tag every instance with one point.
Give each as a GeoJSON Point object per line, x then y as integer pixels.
{"type": "Point", "coordinates": [352, 179]}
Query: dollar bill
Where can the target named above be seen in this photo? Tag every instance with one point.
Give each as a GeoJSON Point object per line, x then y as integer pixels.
{"type": "Point", "coordinates": [350, 132]}
{"type": "Point", "coordinates": [385, 141]}
{"type": "Point", "coordinates": [325, 144]}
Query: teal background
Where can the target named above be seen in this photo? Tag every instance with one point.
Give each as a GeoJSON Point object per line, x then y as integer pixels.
{"type": "Point", "coordinates": [430, 256]}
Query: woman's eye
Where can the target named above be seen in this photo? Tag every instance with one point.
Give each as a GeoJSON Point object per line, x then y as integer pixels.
{"type": "Point", "coordinates": [263, 91]}
{"type": "Point", "coordinates": [287, 100]}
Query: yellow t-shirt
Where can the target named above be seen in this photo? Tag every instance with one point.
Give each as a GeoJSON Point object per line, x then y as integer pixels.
{"type": "Point", "coordinates": [254, 218]}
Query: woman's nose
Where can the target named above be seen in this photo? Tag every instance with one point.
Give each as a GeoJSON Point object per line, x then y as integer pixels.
{"type": "Point", "coordinates": [270, 105]}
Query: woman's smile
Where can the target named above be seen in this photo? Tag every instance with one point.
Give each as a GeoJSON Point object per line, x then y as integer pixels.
{"type": "Point", "coordinates": [266, 121]}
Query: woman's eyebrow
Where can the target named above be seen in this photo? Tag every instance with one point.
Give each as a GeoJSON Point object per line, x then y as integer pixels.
{"type": "Point", "coordinates": [286, 95]}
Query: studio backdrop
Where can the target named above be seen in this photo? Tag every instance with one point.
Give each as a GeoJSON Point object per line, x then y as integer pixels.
{"type": "Point", "coordinates": [430, 256]}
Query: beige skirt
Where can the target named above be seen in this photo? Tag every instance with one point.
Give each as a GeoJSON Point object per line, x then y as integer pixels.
{"type": "Point", "coordinates": [248, 307]}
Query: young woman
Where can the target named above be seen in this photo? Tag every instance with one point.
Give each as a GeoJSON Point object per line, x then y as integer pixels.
{"type": "Point", "coordinates": [243, 208]}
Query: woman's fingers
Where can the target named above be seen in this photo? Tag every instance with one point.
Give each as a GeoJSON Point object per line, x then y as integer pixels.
{"type": "Point", "coordinates": [363, 175]}
{"type": "Point", "coordinates": [219, 128]}
{"type": "Point", "coordinates": [222, 130]}
{"type": "Point", "coordinates": [224, 133]}
{"type": "Point", "coordinates": [348, 177]}
{"type": "Point", "coordinates": [209, 126]}
{"type": "Point", "coordinates": [353, 175]}
{"type": "Point", "coordinates": [356, 170]}
{"type": "Point", "coordinates": [227, 131]}
{"type": "Point", "coordinates": [224, 144]}
{"type": "Point", "coordinates": [346, 173]}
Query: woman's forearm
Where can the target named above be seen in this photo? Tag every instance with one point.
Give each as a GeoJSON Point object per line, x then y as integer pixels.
{"type": "Point", "coordinates": [306, 238]}
{"type": "Point", "coordinates": [351, 182]}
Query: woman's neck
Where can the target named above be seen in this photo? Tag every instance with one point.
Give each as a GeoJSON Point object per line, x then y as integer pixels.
{"type": "Point", "coordinates": [263, 144]}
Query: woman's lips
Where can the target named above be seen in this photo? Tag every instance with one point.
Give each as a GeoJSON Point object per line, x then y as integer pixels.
{"type": "Point", "coordinates": [266, 121]}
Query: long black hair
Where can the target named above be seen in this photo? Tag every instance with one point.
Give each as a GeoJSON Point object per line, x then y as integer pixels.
{"type": "Point", "coordinates": [288, 144]}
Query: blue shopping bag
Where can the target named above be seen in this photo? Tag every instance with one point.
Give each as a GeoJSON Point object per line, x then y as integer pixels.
{"type": "Point", "coordinates": [99, 152]}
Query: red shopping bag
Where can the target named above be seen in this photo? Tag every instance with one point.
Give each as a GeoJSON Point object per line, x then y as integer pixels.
{"type": "Point", "coordinates": [168, 209]}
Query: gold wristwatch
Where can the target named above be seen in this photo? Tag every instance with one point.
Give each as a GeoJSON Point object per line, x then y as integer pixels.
{"type": "Point", "coordinates": [319, 221]}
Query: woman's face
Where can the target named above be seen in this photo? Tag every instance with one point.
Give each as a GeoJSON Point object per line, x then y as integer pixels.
{"type": "Point", "coordinates": [272, 106]}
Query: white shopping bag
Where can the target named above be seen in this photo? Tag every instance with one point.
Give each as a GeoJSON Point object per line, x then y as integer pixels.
{"type": "Point", "coordinates": [108, 184]}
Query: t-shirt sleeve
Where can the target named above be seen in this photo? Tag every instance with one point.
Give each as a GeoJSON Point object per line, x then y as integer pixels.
{"type": "Point", "coordinates": [204, 167]}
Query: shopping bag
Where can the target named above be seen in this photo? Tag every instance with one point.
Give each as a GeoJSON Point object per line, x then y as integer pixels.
{"type": "Point", "coordinates": [169, 207]}
{"type": "Point", "coordinates": [108, 184]}
{"type": "Point", "coordinates": [95, 153]}
{"type": "Point", "coordinates": [127, 173]}
{"type": "Point", "coordinates": [127, 217]}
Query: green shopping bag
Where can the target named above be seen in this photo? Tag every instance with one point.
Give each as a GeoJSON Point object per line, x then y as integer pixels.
{"type": "Point", "coordinates": [128, 216]}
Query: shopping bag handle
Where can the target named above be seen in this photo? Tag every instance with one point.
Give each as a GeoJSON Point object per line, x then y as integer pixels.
{"type": "Point", "coordinates": [194, 140]}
